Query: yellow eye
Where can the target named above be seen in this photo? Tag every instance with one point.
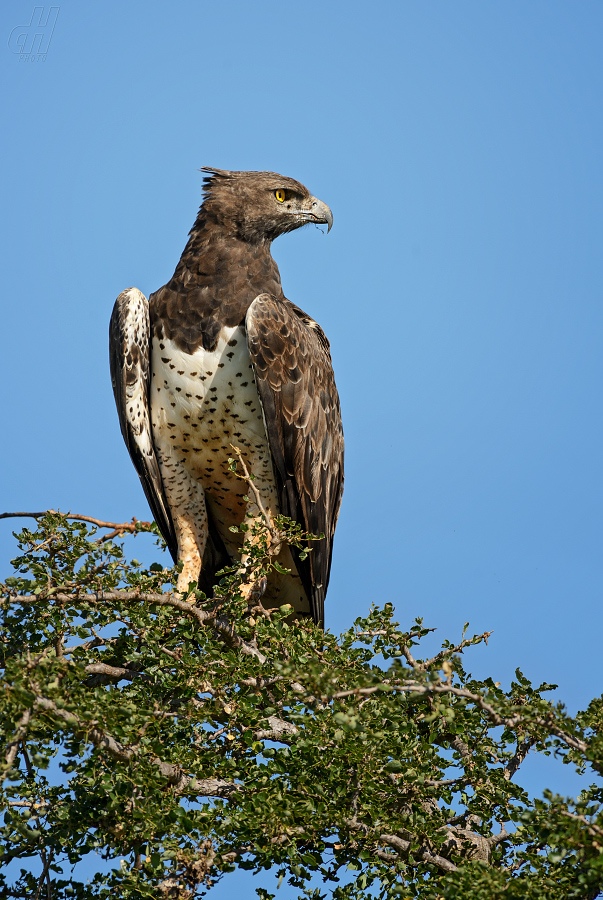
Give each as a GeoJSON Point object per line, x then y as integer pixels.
{"type": "Point", "coordinates": [280, 195]}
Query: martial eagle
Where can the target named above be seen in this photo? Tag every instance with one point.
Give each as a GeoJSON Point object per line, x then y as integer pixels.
{"type": "Point", "coordinates": [219, 357]}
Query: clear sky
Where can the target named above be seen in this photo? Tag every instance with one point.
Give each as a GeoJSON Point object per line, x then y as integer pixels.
{"type": "Point", "coordinates": [460, 147]}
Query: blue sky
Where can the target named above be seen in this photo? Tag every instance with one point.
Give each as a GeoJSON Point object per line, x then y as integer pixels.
{"type": "Point", "coordinates": [459, 146]}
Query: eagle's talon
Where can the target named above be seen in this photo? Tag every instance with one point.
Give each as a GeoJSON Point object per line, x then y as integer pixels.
{"type": "Point", "coordinates": [257, 591]}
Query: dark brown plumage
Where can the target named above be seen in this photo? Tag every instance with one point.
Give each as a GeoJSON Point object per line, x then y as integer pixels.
{"type": "Point", "coordinates": [226, 292]}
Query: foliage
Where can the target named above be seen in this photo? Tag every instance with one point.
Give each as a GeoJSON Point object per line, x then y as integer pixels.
{"type": "Point", "coordinates": [189, 736]}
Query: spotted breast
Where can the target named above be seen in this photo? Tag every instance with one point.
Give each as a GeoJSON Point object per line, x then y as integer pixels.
{"type": "Point", "coordinates": [203, 404]}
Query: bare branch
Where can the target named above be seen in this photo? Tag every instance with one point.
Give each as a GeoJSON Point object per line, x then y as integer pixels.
{"type": "Point", "coordinates": [378, 632]}
{"type": "Point", "coordinates": [446, 782]}
{"type": "Point", "coordinates": [356, 692]}
{"type": "Point", "coordinates": [29, 804]}
{"type": "Point", "coordinates": [234, 640]}
{"type": "Point", "coordinates": [118, 527]}
{"type": "Point", "coordinates": [403, 847]}
{"type": "Point", "coordinates": [262, 682]}
{"type": "Point", "coordinates": [44, 877]}
{"type": "Point", "coordinates": [410, 658]}
{"type": "Point", "coordinates": [501, 836]}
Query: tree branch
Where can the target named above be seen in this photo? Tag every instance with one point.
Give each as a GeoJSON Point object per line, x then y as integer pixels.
{"type": "Point", "coordinates": [202, 616]}
{"type": "Point", "coordinates": [101, 672]}
{"type": "Point", "coordinates": [206, 787]}
{"type": "Point", "coordinates": [13, 746]}
{"type": "Point", "coordinates": [118, 527]}
{"type": "Point", "coordinates": [422, 854]}
{"type": "Point", "coordinates": [510, 722]}
{"type": "Point", "coordinates": [518, 757]}
{"type": "Point", "coordinates": [280, 730]}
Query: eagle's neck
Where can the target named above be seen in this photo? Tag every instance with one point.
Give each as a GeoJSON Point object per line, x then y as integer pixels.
{"type": "Point", "coordinates": [215, 254]}
{"type": "Point", "coordinates": [216, 281]}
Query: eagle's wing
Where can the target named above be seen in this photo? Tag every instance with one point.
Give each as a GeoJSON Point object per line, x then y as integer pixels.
{"type": "Point", "coordinates": [129, 356]}
{"type": "Point", "coordinates": [294, 375]}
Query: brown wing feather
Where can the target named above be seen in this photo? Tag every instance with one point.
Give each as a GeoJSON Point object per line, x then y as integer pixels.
{"type": "Point", "coordinates": [294, 374]}
{"type": "Point", "coordinates": [129, 352]}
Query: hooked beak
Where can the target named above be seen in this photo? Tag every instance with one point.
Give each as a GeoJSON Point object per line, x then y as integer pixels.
{"type": "Point", "coordinates": [319, 213]}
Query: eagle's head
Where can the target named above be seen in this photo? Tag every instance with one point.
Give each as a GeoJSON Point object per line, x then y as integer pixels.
{"type": "Point", "coordinates": [258, 206]}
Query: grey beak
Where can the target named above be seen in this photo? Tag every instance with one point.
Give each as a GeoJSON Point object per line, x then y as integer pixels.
{"type": "Point", "coordinates": [322, 213]}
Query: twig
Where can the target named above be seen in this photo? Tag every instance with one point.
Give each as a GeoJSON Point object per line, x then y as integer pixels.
{"type": "Point", "coordinates": [258, 499]}
{"type": "Point", "coordinates": [118, 527]}
{"type": "Point", "coordinates": [446, 782]}
{"type": "Point", "coordinates": [46, 860]}
{"type": "Point", "coordinates": [595, 830]}
{"type": "Point", "coordinates": [378, 632]}
{"type": "Point", "coordinates": [448, 651]}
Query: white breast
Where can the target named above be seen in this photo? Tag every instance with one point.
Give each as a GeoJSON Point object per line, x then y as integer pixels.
{"type": "Point", "coordinates": [203, 403]}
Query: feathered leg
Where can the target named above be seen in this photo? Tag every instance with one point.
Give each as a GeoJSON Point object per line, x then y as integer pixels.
{"type": "Point", "coordinates": [186, 499]}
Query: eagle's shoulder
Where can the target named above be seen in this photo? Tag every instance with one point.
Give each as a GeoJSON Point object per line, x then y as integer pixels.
{"type": "Point", "coordinates": [309, 322]}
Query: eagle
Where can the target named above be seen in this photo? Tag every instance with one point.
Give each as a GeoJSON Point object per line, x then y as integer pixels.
{"type": "Point", "coordinates": [219, 358]}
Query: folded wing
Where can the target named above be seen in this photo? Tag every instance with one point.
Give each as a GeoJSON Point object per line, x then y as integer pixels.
{"type": "Point", "coordinates": [294, 374]}
{"type": "Point", "coordinates": [129, 355]}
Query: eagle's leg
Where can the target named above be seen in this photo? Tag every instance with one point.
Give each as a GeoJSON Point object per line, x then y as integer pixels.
{"type": "Point", "coordinates": [192, 537]}
{"type": "Point", "coordinates": [186, 499]}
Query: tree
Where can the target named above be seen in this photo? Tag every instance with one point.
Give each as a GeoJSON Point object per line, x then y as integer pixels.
{"type": "Point", "coordinates": [196, 735]}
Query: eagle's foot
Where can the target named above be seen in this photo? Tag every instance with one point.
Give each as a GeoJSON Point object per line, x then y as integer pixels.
{"type": "Point", "coordinates": [258, 589]}
{"type": "Point", "coordinates": [253, 591]}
